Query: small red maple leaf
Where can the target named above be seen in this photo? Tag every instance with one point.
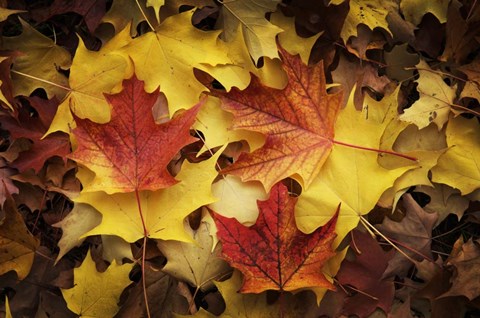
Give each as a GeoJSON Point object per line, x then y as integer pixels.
{"type": "Point", "coordinates": [273, 253]}
{"type": "Point", "coordinates": [131, 152]}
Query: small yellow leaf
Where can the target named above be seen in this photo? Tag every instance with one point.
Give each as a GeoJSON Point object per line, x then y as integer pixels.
{"type": "Point", "coordinates": [414, 10]}
{"type": "Point", "coordinates": [95, 294]}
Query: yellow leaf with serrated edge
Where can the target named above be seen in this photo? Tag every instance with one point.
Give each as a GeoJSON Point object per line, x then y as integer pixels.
{"type": "Point", "coordinates": [459, 167]}
{"type": "Point", "coordinates": [41, 59]}
{"type": "Point", "coordinates": [434, 102]}
{"type": "Point", "coordinates": [97, 294]}
{"type": "Point", "coordinates": [163, 210]}
{"type": "Point", "coordinates": [369, 12]}
{"type": "Point", "coordinates": [350, 176]}
{"type": "Point", "coordinates": [166, 58]}
{"type": "Point", "coordinates": [258, 32]}
{"type": "Point", "coordinates": [289, 39]}
{"type": "Point", "coordinates": [88, 83]}
{"type": "Point", "coordinates": [126, 13]}
{"type": "Point", "coordinates": [195, 263]}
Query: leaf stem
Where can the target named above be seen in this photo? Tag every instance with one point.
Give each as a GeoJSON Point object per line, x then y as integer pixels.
{"type": "Point", "coordinates": [42, 80]}
{"type": "Point", "coordinates": [144, 249]}
{"type": "Point", "coordinates": [389, 152]}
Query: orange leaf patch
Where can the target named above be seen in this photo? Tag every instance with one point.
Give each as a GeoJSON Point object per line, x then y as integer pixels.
{"type": "Point", "coordinates": [131, 152]}
{"type": "Point", "coordinates": [298, 122]}
{"type": "Point", "coordinates": [273, 253]}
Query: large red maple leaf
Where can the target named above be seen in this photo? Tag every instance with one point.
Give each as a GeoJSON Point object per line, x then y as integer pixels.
{"type": "Point", "coordinates": [273, 253]}
{"type": "Point", "coordinates": [131, 152]}
{"type": "Point", "coordinates": [298, 122]}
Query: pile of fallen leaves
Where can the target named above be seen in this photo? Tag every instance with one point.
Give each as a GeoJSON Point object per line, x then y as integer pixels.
{"type": "Point", "coordinates": [254, 158]}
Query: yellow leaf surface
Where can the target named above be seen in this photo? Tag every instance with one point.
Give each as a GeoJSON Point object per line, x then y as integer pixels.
{"type": "Point", "coordinates": [164, 210]}
{"type": "Point", "coordinates": [258, 32]}
{"type": "Point", "coordinates": [5, 13]}
{"type": "Point", "coordinates": [89, 83]}
{"type": "Point", "coordinates": [350, 176]}
{"type": "Point", "coordinates": [41, 59]}
{"type": "Point", "coordinates": [79, 221]}
{"type": "Point", "coordinates": [125, 13]}
{"type": "Point", "coordinates": [434, 102]}
{"type": "Point", "coordinates": [95, 294]}
{"type": "Point", "coordinates": [459, 167]}
{"type": "Point", "coordinates": [414, 10]}
{"type": "Point", "coordinates": [166, 58]}
{"type": "Point", "coordinates": [156, 5]}
{"type": "Point", "coordinates": [215, 125]}
{"type": "Point", "coordinates": [237, 199]}
{"type": "Point", "coordinates": [17, 244]}
{"type": "Point", "coordinates": [195, 263]}
{"type": "Point", "coordinates": [369, 12]}
{"type": "Point", "coordinates": [289, 39]}
{"type": "Point", "coordinates": [8, 313]}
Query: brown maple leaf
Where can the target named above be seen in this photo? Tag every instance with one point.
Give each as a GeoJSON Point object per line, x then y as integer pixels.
{"type": "Point", "coordinates": [298, 122]}
{"type": "Point", "coordinates": [131, 152]}
{"type": "Point", "coordinates": [273, 253]}
{"type": "Point", "coordinates": [365, 274]}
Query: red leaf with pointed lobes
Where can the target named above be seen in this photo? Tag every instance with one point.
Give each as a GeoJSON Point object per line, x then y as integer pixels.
{"type": "Point", "coordinates": [273, 253]}
{"type": "Point", "coordinates": [131, 152]}
{"type": "Point", "coordinates": [298, 122]}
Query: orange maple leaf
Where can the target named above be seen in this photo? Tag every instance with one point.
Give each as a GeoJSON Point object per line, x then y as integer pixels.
{"type": "Point", "coordinates": [298, 122]}
{"type": "Point", "coordinates": [273, 253]}
{"type": "Point", "coordinates": [131, 152]}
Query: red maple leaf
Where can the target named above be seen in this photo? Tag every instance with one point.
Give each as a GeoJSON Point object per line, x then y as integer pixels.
{"type": "Point", "coordinates": [365, 274]}
{"type": "Point", "coordinates": [131, 152]}
{"type": "Point", "coordinates": [33, 126]}
{"type": "Point", "coordinates": [298, 122]}
{"type": "Point", "coordinates": [273, 253]}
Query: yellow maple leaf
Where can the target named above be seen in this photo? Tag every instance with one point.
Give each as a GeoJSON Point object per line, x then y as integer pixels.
{"type": "Point", "coordinates": [166, 58]}
{"type": "Point", "coordinates": [350, 176]}
{"type": "Point", "coordinates": [127, 14]}
{"type": "Point", "coordinates": [435, 100]}
{"type": "Point", "coordinates": [163, 210]}
{"type": "Point", "coordinates": [459, 167]}
{"type": "Point", "coordinates": [41, 59]}
{"type": "Point", "coordinates": [414, 10]}
{"type": "Point", "coordinates": [97, 294]}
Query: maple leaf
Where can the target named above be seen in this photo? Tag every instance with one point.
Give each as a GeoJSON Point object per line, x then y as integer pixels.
{"type": "Point", "coordinates": [414, 10]}
{"type": "Point", "coordinates": [365, 273]}
{"type": "Point", "coordinates": [131, 152]}
{"type": "Point", "coordinates": [352, 176]}
{"type": "Point", "coordinates": [166, 57]}
{"type": "Point", "coordinates": [7, 185]}
{"type": "Point", "coordinates": [273, 253]}
{"type": "Point", "coordinates": [303, 112]}
{"type": "Point", "coordinates": [41, 59]}
{"type": "Point", "coordinates": [5, 13]}
{"type": "Point", "coordinates": [33, 128]}
{"type": "Point", "coordinates": [97, 294]}
{"type": "Point", "coordinates": [126, 13]}
{"type": "Point", "coordinates": [17, 244]}
{"type": "Point", "coordinates": [196, 263]}
{"type": "Point", "coordinates": [163, 210]}
{"type": "Point", "coordinates": [258, 32]}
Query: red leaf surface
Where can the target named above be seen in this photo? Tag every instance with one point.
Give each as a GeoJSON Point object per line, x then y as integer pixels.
{"type": "Point", "coordinates": [131, 152]}
{"type": "Point", "coordinates": [33, 127]}
{"type": "Point", "coordinates": [365, 274]}
{"type": "Point", "coordinates": [273, 253]}
{"type": "Point", "coordinates": [298, 122]}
